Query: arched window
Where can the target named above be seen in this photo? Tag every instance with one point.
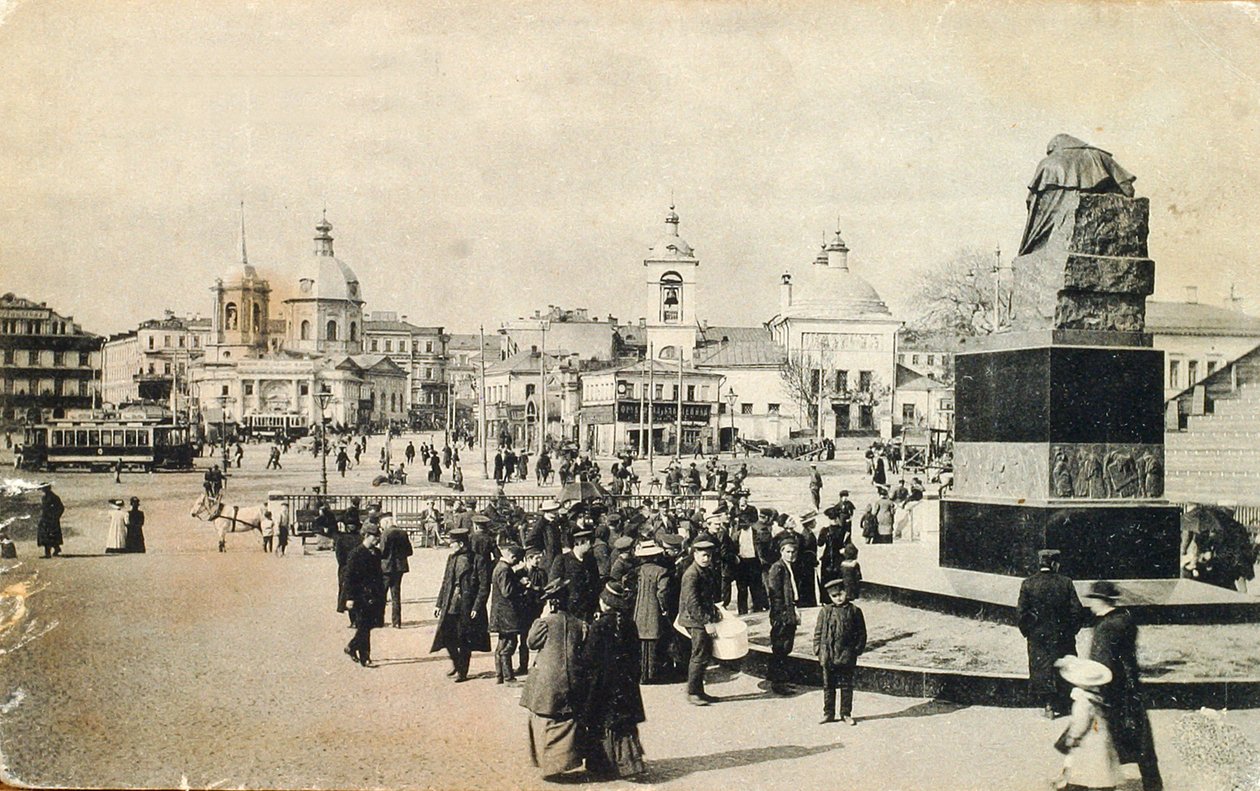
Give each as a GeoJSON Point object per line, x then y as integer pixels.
{"type": "Point", "coordinates": [671, 297]}
{"type": "Point", "coordinates": [229, 316]}
{"type": "Point", "coordinates": [330, 331]}
{"type": "Point", "coordinates": [305, 332]}
{"type": "Point", "coordinates": [354, 331]}
{"type": "Point", "coordinates": [668, 352]}
{"type": "Point", "coordinates": [257, 319]}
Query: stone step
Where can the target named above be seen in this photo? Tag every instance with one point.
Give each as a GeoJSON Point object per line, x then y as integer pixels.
{"type": "Point", "coordinates": [1222, 423]}
{"type": "Point", "coordinates": [1234, 464]}
{"type": "Point", "coordinates": [1243, 405]}
{"type": "Point", "coordinates": [1210, 447]}
{"type": "Point", "coordinates": [1209, 491]}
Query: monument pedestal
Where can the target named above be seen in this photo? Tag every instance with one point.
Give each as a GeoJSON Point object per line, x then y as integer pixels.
{"type": "Point", "coordinates": [1059, 444]}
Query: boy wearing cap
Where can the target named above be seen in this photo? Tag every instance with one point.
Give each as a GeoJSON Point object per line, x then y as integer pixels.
{"type": "Point", "coordinates": [783, 592]}
{"type": "Point", "coordinates": [839, 638]}
{"type": "Point", "coordinates": [507, 600]}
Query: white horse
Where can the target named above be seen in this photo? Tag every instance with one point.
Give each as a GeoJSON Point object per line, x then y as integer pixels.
{"type": "Point", "coordinates": [227, 518]}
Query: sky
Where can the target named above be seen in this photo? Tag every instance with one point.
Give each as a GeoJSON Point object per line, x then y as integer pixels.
{"type": "Point", "coordinates": [480, 160]}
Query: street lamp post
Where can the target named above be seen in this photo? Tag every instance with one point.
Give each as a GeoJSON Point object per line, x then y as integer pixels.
{"type": "Point", "coordinates": [224, 400]}
{"type": "Point", "coordinates": [325, 398]}
{"type": "Point", "coordinates": [731, 398]}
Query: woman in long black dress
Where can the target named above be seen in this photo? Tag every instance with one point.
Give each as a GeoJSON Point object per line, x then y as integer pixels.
{"type": "Point", "coordinates": [614, 705]}
{"type": "Point", "coordinates": [135, 527]}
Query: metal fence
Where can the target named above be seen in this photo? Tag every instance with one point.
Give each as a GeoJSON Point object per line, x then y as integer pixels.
{"type": "Point", "coordinates": [407, 508]}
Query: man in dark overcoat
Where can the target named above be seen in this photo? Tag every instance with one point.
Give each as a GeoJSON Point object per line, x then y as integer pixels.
{"type": "Point", "coordinates": [395, 549]}
{"type": "Point", "coordinates": [782, 592]}
{"type": "Point", "coordinates": [365, 595]}
{"type": "Point", "coordinates": [48, 534]}
{"type": "Point", "coordinates": [344, 542]}
{"type": "Point", "coordinates": [544, 534]}
{"type": "Point", "coordinates": [577, 565]}
{"type": "Point", "coordinates": [697, 613]}
{"type": "Point", "coordinates": [461, 606]}
{"type": "Point", "coordinates": [507, 603]}
{"type": "Point", "coordinates": [1050, 615]}
{"type": "Point", "coordinates": [1115, 645]}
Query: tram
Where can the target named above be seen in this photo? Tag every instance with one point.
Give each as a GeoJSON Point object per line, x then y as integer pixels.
{"type": "Point", "coordinates": [274, 426]}
{"type": "Point", "coordinates": [142, 441]}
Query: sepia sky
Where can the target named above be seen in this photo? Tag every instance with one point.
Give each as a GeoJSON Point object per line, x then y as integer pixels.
{"type": "Point", "coordinates": [480, 160]}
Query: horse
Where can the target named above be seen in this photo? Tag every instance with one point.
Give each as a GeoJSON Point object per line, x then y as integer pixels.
{"type": "Point", "coordinates": [227, 518]}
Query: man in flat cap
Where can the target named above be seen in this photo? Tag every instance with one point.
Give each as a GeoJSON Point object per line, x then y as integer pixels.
{"type": "Point", "coordinates": [461, 605]}
{"type": "Point", "coordinates": [1050, 615]}
{"type": "Point", "coordinates": [783, 593]}
{"type": "Point", "coordinates": [697, 614]}
{"type": "Point", "coordinates": [365, 594]}
{"type": "Point", "coordinates": [577, 565]}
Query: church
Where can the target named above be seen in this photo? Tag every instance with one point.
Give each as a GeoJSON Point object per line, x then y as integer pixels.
{"type": "Point", "coordinates": [267, 359]}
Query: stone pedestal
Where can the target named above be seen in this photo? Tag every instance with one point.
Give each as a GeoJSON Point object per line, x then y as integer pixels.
{"type": "Point", "coordinates": [1059, 444]}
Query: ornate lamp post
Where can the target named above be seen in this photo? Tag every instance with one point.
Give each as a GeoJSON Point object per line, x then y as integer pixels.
{"type": "Point", "coordinates": [325, 398]}
{"type": "Point", "coordinates": [731, 398]}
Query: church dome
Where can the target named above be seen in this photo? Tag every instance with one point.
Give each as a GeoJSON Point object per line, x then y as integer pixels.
{"type": "Point", "coordinates": [324, 276]}
{"type": "Point", "coordinates": [828, 288]}
{"type": "Point", "coordinates": [671, 245]}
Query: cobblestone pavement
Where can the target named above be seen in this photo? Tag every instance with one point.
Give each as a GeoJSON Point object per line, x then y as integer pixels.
{"type": "Point", "coordinates": [184, 666]}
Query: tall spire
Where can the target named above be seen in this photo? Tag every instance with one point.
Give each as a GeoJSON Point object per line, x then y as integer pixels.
{"type": "Point", "coordinates": [244, 255]}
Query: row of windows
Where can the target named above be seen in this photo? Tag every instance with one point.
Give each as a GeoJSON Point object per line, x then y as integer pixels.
{"type": "Point", "coordinates": [53, 387]}
{"type": "Point", "coordinates": [330, 331]}
{"type": "Point", "coordinates": [389, 346]}
{"type": "Point", "coordinates": [746, 408]}
{"type": "Point", "coordinates": [193, 341]}
{"type": "Point", "coordinates": [35, 327]}
{"type": "Point", "coordinates": [927, 359]}
{"type": "Point", "coordinates": [839, 380]}
{"type": "Point", "coordinates": [57, 359]}
{"type": "Point", "coordinates": [109, 438]}
{"type": "Point", "coordinates": [1193, 372]}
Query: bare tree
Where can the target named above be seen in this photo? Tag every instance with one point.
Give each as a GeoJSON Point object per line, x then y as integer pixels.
{"type": "Point", "coordinates": [955, 298]}
{"type": "Point", "coordinates": [797, 375]}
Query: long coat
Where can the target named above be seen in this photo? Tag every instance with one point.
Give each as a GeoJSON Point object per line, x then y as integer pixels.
{"type": "Point", "coordinates": [1049, 617]}
{"type": "Point", "coordinates": [782, 597]}
{"type": "Point", "coordinates": [365, 586]}
{"type": "Point", "coordinates": [554, 686]}
{"type": "Point", "coordinates": [1115, 645]}
{"type": "Point", "coordinates": [545, 535]}
{"type": "Point", "coordinates": [839, 634]}
{"type": "Point", "coordinates": [468, 573]}
{"type": "Point", "coordinates": [651, 601]}
{"type": "Point", "coordinates": [507, 599]}
{"type": "Point", "coordinates": [48, 534]}
{"type": "Point", "coordinates": [395, 549]}
{"type": "Point", "coordinates": [610, 665]}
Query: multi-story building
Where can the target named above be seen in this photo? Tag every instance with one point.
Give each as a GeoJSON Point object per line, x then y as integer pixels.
{"type": "Point", "coordinates": [151, 363]}
{"type": "Point", "coordinates": [421, 352]}
{"type": "Point", "coordinates": [1197, 340]}
{"type": "Point", "coordinates": [624, 406]}
{"type": "Point", "coordinates": [563, 332]}
{"type": "Point", "coordinates": [48, 364]}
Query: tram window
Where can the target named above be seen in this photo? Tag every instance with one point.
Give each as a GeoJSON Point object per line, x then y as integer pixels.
{"type": "Point", "coordinates": [143, 436]}
{"type": "Point", "coordinates": [131, 437]}
{"type": "Point", "coordinates": [56, 438]}
{"type": "Point", "coordinates": [160, 437]}
{"type": "Point", "coordinates": [118, 438]}
{"type": "Point", "coordinates": [80, 438]}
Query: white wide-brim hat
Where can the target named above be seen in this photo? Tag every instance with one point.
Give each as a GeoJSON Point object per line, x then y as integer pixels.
{"type": "Point", "coordinates": [1083, 672]}
{"type": "Point", "coordinates": [647, 549]}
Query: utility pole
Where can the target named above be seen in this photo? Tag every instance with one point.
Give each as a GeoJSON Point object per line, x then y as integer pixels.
{"type": "Point", "coordinates": [642, 446]}
{"type": "Point", "coordinates": [651, 429]}
{"type": "Point", "coordinates": [542, 361]}
{"type": "Point", "coordinates": [481, 394]}
{"type": "Point", "coordinates": [822, 379]}
{"type": "Point", "coordinates": [678, 430]}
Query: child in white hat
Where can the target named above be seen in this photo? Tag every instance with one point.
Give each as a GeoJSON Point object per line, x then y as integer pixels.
{"type": "Point", "coordinates": [1091, 754]}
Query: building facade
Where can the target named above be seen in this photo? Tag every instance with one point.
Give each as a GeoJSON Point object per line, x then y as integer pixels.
{"type": "Point", "coordinates": [625, 407]}
{"type": "Point", "coordinates": [422, 353]}
{"type": "Point", "coordinates": [152, 362]}
{"type": "Point", "coordinates": [48, 364]}
{"type": "Point", "coordinates": [1198, 340]}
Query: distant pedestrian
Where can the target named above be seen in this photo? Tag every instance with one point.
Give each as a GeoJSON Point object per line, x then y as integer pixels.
{"type": "Point", "coordinates": [851, 572]}
{"type": "Point", "coordinates": [457, 477]}
{"type": "Point", "coordinates": [1050, 615]}
{"type": "Point", "coordinates": [116, 533]}
{"type": "Point", "coordinates": [48, 534]}
{"type": "Point", "coordinates": [885, 513]}
{"type": "Point", "coordinates": [135, 527]}
{"type": "Point", "coordinates": [282, 531]}
{"type": "Point", "coordinates": [239, 454]}
{"type": "Point", "coordinates": [343, 462]}
{"type": "Point", "coordinates": [395, 549]}
{"type": "Point", "coordinates": [118, 470]}
{"type": "Point", "coordinates": [435, 469]}
{"type": "Point", "coordinates": [268, 527]}
{"type": "Point", "coordinates": [839, 639]}
{"type": "Point", "coordinates": [410, 453]}
{"type": "Point", "coordinates": [365, 595]}
{"type": "Point", "coordinates": [815, 486]}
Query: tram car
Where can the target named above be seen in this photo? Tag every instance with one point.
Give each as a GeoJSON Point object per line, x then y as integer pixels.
{"type": "Point", "coordinates": [273, 427]}
{"type": "Point", "coordinates": [96, 442]}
